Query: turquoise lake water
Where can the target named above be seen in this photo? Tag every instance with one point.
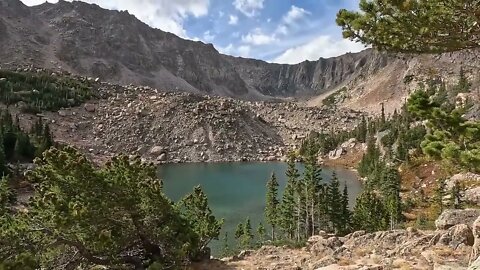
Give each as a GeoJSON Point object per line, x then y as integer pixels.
{"type": "Point", "coordinates": [237, 190]}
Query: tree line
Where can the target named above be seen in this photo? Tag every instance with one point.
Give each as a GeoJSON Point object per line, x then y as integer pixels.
{"type": "Point", "coordinates": [17, 145]}
{"type": "Point", "coordinates": [41, 91]}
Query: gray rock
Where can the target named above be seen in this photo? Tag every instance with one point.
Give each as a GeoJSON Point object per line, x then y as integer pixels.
{"type": "Point", "coordinates": [457, 235]}
{"type": "Point", "coordinates": [162, 157]}
{"type": "Point", "coordinates": [474, 255]}
{"type": "Point", "coordinates": [156, 150]}
{"type": "Point", "coordinates": [89, 107]}
{"type": "Point", "coordinates": [462, 177]}
{"type": "Point", "coordinates": [452, 217]}
{"type": "Point", "coordinates": [472, 195]}
{"type": "Point", "coordinates": [336, 154]}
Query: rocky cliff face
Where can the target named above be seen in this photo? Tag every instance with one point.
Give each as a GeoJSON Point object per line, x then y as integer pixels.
{"type": "Point", "coordinates": [88, 40]}
{"type": "Point", "coordinates": [85, 39]}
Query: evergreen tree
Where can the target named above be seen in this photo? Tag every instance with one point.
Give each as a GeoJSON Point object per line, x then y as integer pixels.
{"type": "Point", "coordinates": [272, 204]}
{"type": "Point", "coordinates": [99, 215]}
{"type": "Point", "coordinates": [345, 212]}
{"type": "Point", "coordinates": [3, 161]}
{"type": "Point", "coordinates": [239, 231]}
{"type": "Point", "coordinates": [196, 210]}
{"type": "Point", "coordinates": [301, 211]}
{"type": "Point", "coordinates": [369, 213]}
{"type": "Point", "coordinates": [261, 232]}
{"type": "Point", "coordinates": [24, 147]}
{"type": "Point", "coordinates": [388, 25]}
{"type": "Point", "coordinates": [440, 193]}
{"type": "Point", "coordinates": [456, 200]}
{"type": "Point", "coordinates": [361, 130]}
{"type": "Point", "coordinates": [247, 236]}
{"type": "Point", "coordinates": [391, 195]}
{"type": "Point", "coordinates": [287, 218]}
{"type": "Point", "coordinates": [334, 206]}
{"type": "Point", "coordinates": [383, 119]}
{"type": "Point", "coordinates": [315, 209]}
{"type": "Point", "coordinates": [226, 247]}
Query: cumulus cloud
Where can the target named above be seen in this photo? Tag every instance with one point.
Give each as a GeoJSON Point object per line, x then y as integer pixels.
{"type": "Point", "coordinates": [166, 15]}
{"type": "Point", "coordinates": [288, 20]}
{"type": "Point", "coordinates": [233, 20]}
{"type": "Point", "coordinates": [294, 14]}
{"type": "Point", "coordinates": [323, 46]}
{"type": "Point", "coordinates": [249, 8]}
{"type": "Point", "coordinates": [257, 37]}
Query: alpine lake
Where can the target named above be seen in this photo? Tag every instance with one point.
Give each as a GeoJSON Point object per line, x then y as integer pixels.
{"type": "Point", "coordinates": [237, 190]}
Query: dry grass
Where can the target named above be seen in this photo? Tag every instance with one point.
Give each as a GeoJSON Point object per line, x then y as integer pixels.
{"type": "Point", "coordinates": [345, 261]}
{"type": "Point", "coordinates": [362, 252]}
{"type": "Point", "coordinates": [401, 264]}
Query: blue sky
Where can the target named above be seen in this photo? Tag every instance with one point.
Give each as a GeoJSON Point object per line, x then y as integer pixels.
{"type": "Point", "coordinates": [282, 31]}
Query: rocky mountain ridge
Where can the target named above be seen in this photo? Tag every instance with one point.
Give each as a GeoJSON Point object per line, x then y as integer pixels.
{"type": "Point", "coordinates": [87, 40]}
{"type": "Point", "coordinates": [115, 46]}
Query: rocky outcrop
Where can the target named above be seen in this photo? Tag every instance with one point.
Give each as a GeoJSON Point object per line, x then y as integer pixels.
{"type": "Point", "coordinates": [397, 249]}
{"type": "Point", "coordinates": [404, 249]}
{"type": "Point", "coordinates": [452, 217]}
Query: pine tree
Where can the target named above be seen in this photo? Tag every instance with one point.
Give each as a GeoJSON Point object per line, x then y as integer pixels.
{"type": "Point", "coordinates": [313, 187]}
{"type": "Point", "coordinates": [361, 131]}
{"type": "Point", "coordinates": [334, 206]}
{"type": "Point", "coordinates": [239, 231]}
{"type": "Point", "coordinates": [3, 161]}
{"type": "Point", "coordinates": [346, 214]}
{"type": "Point", "coordinates": [24, 147]}
{"type": "Point", "coordinates": [226, 248]}
{"type": "Point", "coordinates": [456, 196]}
{"type": "Point", "coordinates": [247, 236]}
{"type": "Point", "coordinates": [391, 194]}
{"type": "Point", "coordinates": [287, 219]}
{"type": "Point", "coordinates": [195, 209]}
{"type": "Point", "coordinates": [301, 211]}
{"type": "Point", "coordinates": [272, 204]}
{"type": "Point", "coordinates": [261, 232]}
{"type": "Point", "coordinates": [440, 194]}
{"type": "Point", "coordinates": [369, 213]}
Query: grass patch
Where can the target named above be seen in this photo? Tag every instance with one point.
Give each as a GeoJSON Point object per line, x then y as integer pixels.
{"type": "Point", "coordinates": [331, 99]}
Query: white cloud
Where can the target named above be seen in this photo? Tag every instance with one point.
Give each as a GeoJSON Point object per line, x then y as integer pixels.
{"type": "Point", "coordinates": [249, 8]}
{"type": "Point", "coordinates": [233, 20]}
{"type": "Point", "coordinates": [294, 14]}
{"type": "Point", "coordinates": [257, 37]}
{"type": "Point", "coordinates": [288, 20]}
{"type": "Point", "coordinates": [207, 36]}
{"type": "Point", "coordinates": [323, 46]}
{"type": "Point", "coordinates": [166, 15]}
{"type": "Point", "coordinates": [282, 29]}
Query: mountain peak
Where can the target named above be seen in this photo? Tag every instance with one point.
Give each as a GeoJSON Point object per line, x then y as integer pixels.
{"type": "Point", "coordinates": [14, 8]}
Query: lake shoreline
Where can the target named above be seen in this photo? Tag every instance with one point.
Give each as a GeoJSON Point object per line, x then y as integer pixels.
{"type": "Point", "coordinates": [236, 190]}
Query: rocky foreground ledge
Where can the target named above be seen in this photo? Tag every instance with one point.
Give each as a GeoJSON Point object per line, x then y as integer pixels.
{"type": "Point", "coordinates": [454, 245]}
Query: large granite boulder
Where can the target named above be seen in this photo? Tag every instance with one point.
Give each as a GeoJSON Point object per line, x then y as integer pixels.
{"type": "Point", "coordinates": [474, 256]}
{"type": "Point", "coordinates": [456, 236]}
{"type": "Point", "coordinates": [452, 217]}
{"type": "Point", "coordinates": [472, 195]}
